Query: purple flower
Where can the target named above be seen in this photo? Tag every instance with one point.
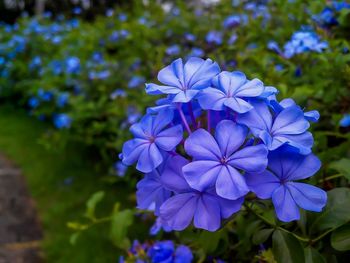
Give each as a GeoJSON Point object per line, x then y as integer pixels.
{"type": "Point", "coordinates": [162, 251]}
{"type": "Point", "coordinates": [286, 127]}
{"type": "Point", "coordinates": [217, 160]}
{"type": "Point", "coordinates": [230, 90]}
{"type": "Point", "coordinates": [152, 138]}
{"type": "Point", "coordinates": [157, 226]}
{"type": "Point", "coordinates": [118, 93]}
{"type": "Point", "coordinates": [277, 183]}
{"type": "Point", "coordinates": [205, 208]}
{"type": "Point", "coordinates": [62, 121]}
{"type": "Point", "coordinates": [136, 81]}
{"type": "Point", "coordinates": [184, 81]}
{"type": "Point", "coordinates": [120, 168]}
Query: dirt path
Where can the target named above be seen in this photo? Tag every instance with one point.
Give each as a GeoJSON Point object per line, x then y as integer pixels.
{"type": "Point", "coordinates": [20, 231]}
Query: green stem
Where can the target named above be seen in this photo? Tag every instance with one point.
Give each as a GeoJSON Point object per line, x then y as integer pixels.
{"type": "Point", "coordinates": [336, 134]}
{"type": "Point", "coordinates": [330, 178]}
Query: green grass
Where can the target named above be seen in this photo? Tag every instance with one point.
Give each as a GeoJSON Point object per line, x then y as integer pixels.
{"type": "Point", "coordinates": [57, 203]}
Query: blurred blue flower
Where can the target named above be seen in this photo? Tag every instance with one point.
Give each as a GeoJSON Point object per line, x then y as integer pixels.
{"type": "Point", "coordinates": [122, 17]}
{"type": "Point", "coordinates": [33, 102]}
{"type": "Point", "coordinates": [233, 38]}
{"type": "Point", "coordinates": [190, 37]}
{"type": "Point", "coordinates": [196, 52]}
{"type": "Point", "coordinates": [118, 93]}
{"type": "Point", "coordinates": [62, 99]}
{"type": "Point", "coordinates": [35, 63]}
{"type": "Point", "coordinates": [104, 74]}
{"type": "Point", "coordinates": [136, 81]}
{"type": "Point", "coordinates": [56, 67]}
{"type": "Point", "coordinates": [214, 37]}
{"type": "Point", "coordinates": [2, 61]}
{"type": "Point", "coordinates": [72, 65]}
{"type": "Point", "coordinates": [62, 121]}
{"type": "Point", "coordinates": [304, 41]}
{"type": "Point", "coordinates": [77, 10]}
{"type": "Point", "coordinates": [109, 12]}
{"type": "Point", "coordinates": [45, 95]}
{"type": "Point", "coordinates": [120, 168]}
{"type": "Point", "coordinates": [97, 57]}
{"type": "Point", "coordinates": [173, 50]}
{"type": "Point", "coordinates": [232, 21]}
{"type": "Point", "coordinates": [345, 121]}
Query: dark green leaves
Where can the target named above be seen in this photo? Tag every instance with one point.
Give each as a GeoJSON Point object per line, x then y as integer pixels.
{"type": "Point", "coordinates": [340, 238]}
{"type": "Point", "coordinates": [342, 166]}
{"type": "Point", "coordinates": [286, 248]}
{"type": "Point", "coordinates": [262, 235]}
{"type": "Point", "coordinates": [91, 204]}
{"type": "Point", "coordinates": [337, 211]}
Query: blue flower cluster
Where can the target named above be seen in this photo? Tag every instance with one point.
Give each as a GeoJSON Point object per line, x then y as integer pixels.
{"type": "Point", "coordinates": [216, 137]}
{"type": "Point", "coordinates": [159, 252]}
{"type": "Point", "coordinates": [301, 42]}
{"type": "Point", "coordinates": [328, 17]}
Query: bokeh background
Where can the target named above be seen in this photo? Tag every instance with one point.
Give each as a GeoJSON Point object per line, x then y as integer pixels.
{"type": "Point", "coordinates": [72, 76]}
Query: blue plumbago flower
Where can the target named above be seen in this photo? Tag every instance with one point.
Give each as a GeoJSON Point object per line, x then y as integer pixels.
{"type": "Point", "coordinates": [97, 57]}
{"type": "Point", "coordinates": [2, 61]}
{"type": "Point", "coordinates": [62, 121]}
{"type": "Point", "coordinates": [118, 93]}
{"type": "Point", "coordinates": [152, 138]}
{"type": "Point", "coordinates": [326, 18]}
{"type": "Point", "coordinates": [205, 208]}
{"type": "Point", "coordinates": [104, 74]}
{"type": "Point", "coordinates": [173, 50]}
{"type": "Point", "coordinates": [122, 17]}
{"type": "Point", "coordinates": [288, 126]}
{"type": "Point", "coordinates": [232, 129]}
{"type": "Point", "coordinates": [190, 37]}
{"type": "Point", "coordinates": [196, 52]}
{"type": "Point", "coordinates": [277, 183]}
{"type": "Point", "coordinates": [233, 38]}
{"type": "Point", "coordinates": [157, 226]}
{"type": "Point", "coordinates": [77, 10]}
{"type": "Point", "coordinates": [33, 102]}
{"type": "Point", "coordinates": [35, 63]}
{"type": "Point", "coordinates": [232, 21]}
{"type": "Point", "coordinates": [120, 168]}
{"type": "Point", "coordinates": [72, 65]}
{"type": "Point", "coordinates": [214, 37]}
{"type": "Point", "coordinates": [231, 89]}
{"type": "Point", "coordinates": [217, 161]}
{"type": "Point", "coordinates": [340, 5]}
{"type": "Point", "coordinates": [184, 81]}
{"type": "Point", "coordinates": [62, 99]}
{"type": "Point", "coordinates": [304, 41]}
{"type": "Point", "coordinates": [56, 67]}
{"type": "Point", "coordinates": [118, 35]}
{"type": "Point", "coordinates": [45, 95]}
{"type": "Point", "coordinates": [136, 81]}
{"type": "Point", "coordinates": [345, 121]}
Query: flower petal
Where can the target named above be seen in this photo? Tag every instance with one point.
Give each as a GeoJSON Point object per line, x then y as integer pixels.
{"type": "Point", "coordinates": [199, 75]}
{"type": "Point", "coordinates": [201, 174]}
{"type": "Point", "coordinates": [289, 165]}
{"type": "Point", "coordinates": [149, 158]}
{"type": "Point", "coordinates": [230, 184]}
{"type": "Point", "coordinates": [238, 105]}
{"type": "Point", "coordinates": [212, 99]}
{"type": "Point", "coordinates": [154, 89]}
{"type": "Point", "coordinates": [207, 215]}
{"type": "Point", "coordinates": [132, 150]}
{"type": "Point", "coordinates": [201, 145]}
{"type": "Point", "coordinates": [308, 196]}
{"type": "Point", "coordinates": [185, 96]}
{"type": "Point", "coordinates": [172, 177]}
{"type": "Point", "coordinates": [229, 136]}
{"type": "Point", "coordinates": [173, 75]}
{"type": "Point", "coordinates": [285, 206]}
{"type": "Point", "coordinates": [303, 142]}
{"type": "Point", "coordinates": [252, 88]}
{"type": "Point", "coordinates": [161, 120]}
{"type": "Point", "coordinates": [228, 207]}
{"type": "Point", "coordinates": [262, 184]}
{"type": "Point", "coordinates": [178, 210]}
{"type": "Point", "coordinates": [252, 159]}
{"type": "Point", "coordinates": [169, 138]}
{"type": "Point", "coordinates": [290, 121]}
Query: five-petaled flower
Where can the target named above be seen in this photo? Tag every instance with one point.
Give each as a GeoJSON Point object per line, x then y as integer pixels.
{"type": "Point", "coordinates": [152, 139]}
{"type": "Point", "coordinates": [230, 90]}
{"type": "Point", "coordinates": [217, 161]}
{"type": "Point", "coordinates": [184, 81]}
{"type": "Point", "coordinates": [277, 183]}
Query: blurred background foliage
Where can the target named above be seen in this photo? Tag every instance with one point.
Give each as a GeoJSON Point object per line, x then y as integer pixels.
{"type": "Point", "coordinates": [81, 68]}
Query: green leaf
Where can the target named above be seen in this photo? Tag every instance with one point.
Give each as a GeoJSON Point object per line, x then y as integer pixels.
{"type": "Point", "coordinates": [262, 235]}
{"type": "Point", "coordinates": [77, 226]}
{"type": "Point", "coordinates": [209, 241]}
{"type": "Point", "coordinates": [340, 238]}
{"type": "Point", "coordinates": [120, 221]}
{"type": "Point", "coordinates": [73, 238]}
{"type": "Point", "coordinates": [92, 202]}
{"type": "Point", "coordinates": [286, 248]}
{"type": "Point", "coordinates": [313, 256]}
{"type": "Point", "coordinates": [336, 213]}
{"type": "Point", "coordinates": [342, 166]}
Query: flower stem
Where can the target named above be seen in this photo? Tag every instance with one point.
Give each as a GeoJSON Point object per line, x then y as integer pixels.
{"type": "Point", "coordinates": [330, 178]}
{"type": "Point", "coordinates": [183, 118]}
{"type": "Point", "coordinates": [190, 110]}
